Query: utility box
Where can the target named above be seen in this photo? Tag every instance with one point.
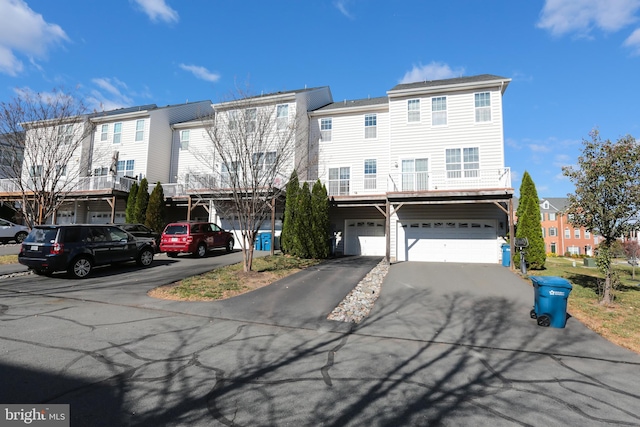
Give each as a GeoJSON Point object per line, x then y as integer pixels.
{"type": "Point", "coordinates": [589, 262]}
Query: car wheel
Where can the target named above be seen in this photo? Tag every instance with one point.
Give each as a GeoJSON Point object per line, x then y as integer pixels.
{"type": "Point", "coordinates": [172, 254]}
{"type": "Point", "coordinates": [80, 267]}
{"type": "Point", "coordinates": [21, 236]}
{"type": "Point", "coordinates": [229, 247]}
{"type": "Point", "coordinates": [201, 251]}
{"type": "Point", "coordinates": [145, 258]}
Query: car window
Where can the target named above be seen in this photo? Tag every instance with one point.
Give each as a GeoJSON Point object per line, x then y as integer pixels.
{"type": "Point", "coordinates": [176, 229]}
{"type": "Point", "coordinates": [42, 235]}
{"type": "Point", "coordinates": [73, 234]}
{"type": "Point", "coordinates": [143, 228]}
{"type": "Point", "coordinates": [214, 227]}
{"type": "Point", "coordinates": [4, 223]}
{"type": "Point", "coordinates": [116, 234]}
{"type": "Point", "coordinates": [195, 228]}
{"type": "Point", "coordinates": [99, 234]}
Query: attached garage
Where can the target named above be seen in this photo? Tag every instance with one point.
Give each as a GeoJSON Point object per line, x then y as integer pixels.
{"type": "Point", "coordinates": [364, 237]}
{"type": "Point", "coordinates": [467, 241]}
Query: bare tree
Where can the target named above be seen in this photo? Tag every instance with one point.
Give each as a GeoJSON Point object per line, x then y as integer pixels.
{"type": "Point", "coordinates": [255, 144]}
{"type": "Point", "coordinates": [47, 132]}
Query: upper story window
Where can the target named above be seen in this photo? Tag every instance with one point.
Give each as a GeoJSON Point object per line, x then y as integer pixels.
{"type": "Point", "coordinates": [567, 233]}
{"type": "Point", "coordinates": [101, 171]}
{"type": "Point", "coordinates": [576, 233]}
{"type": "Point", "coordinates": [232, 117]}
{"type": "Point", "coordinates": [61, 170]}
{"type": "Point", "coordinates": [483, 107]}
{"type": "Point", "coordinates": [184, 139]}
{"type": "Point", "coordinates": [370, 125]}
{"type": "Point", "coordinates": [117, 132]}
{"type": "Point", "coordinates": [35, 171]}
{"type": "Point", "coordinates": [139, 130]}
{"type": "Point", "coordinates": [251, 119]}
{"type": "Point", "coordinates": [439, 111]}
{"type": "Point", "coordinates": [326, 126]}
{"type": "Point", "coordinates": [228, 174]}
{"type": "Point", "coordinates": [552, 216]}
{"type": "Point", "coordinates": [264, 161]}
{"type": "Point", "coordinates": [553, 231]}
{"type": "Point", "coordinates": [587, 234]}
{"type": "Point", "coordinates": [125, 168]}
{"type": "Point", "coordinates": [282, 116]}
{"type": "Point", "coordinates": [463, 162]}
{"type": "Point", "coordinates": [104, 132]}
{"type": "Point", "coordinates": [65, 133]}
{"type": "Point", "coordinates": [413, 110]}
{"type": "Point", "coordinates": [370, 174]}
{"type": "Point", "coordinates": [339, 181]}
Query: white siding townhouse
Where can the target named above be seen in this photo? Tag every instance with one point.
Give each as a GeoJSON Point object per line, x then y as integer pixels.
{"type": "Point", "coordinates": [418, 175]}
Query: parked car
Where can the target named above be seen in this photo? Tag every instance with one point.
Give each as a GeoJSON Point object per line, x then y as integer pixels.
{"type": "Point", "coordinates": [194, 237]}
{"type": "Point", "coordinates": [141, 230]}
{"type": "Point", "coordinates": [10, 231]}
{"type": "Point", "coordinates": [79, 248]}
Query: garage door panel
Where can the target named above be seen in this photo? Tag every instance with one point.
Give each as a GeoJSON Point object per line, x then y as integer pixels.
{"type": "Point", "coordinates": [365, 237]}
{"type": "Point", "coordinates": [447, 241]}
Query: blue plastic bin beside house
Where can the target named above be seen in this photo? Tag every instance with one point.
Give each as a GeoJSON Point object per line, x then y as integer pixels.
{"type": "Point", "coordinates": [257, 244]}
{"type": "Point", "coordinates": [506, 255]}
{"type": "Point", "coordinates": [550, 294]}
{"type": "Point", "coordinates": [266, 241]}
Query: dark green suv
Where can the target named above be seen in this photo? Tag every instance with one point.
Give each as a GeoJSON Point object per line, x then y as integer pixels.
{"type": "Point", "coordinates": [78, 248]}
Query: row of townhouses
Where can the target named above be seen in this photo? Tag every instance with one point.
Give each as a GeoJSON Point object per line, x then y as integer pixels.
{"type": "Point", "coordinates": [416, 175]}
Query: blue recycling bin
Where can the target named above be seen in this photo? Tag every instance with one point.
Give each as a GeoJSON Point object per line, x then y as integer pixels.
{"type": "Point", "coordinates": [266, 241]}
{"type": "Point", "coordinates": [257, 244]}
{"type": "Point", "coordinates": [550, 300]}
{"type": "Point", "coordinates": [506, 255]}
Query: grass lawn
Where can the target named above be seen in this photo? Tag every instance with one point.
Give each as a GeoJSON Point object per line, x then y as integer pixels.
{"type": "Point", "coordinates": [619, 323]}
{"type": "Point", "coordinates": [8, 259]}
{"type": "Point", "coordinates": [230, 281]}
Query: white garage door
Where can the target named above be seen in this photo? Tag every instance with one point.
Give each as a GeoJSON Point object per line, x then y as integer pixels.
{"type": "Point", "coordinates": [447, 241]}
{"type": "Point", "coordinates": [364, 237]}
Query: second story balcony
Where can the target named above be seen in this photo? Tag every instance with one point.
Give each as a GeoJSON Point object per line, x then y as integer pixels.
{"type": "Point", "coordinates": [412, 183]}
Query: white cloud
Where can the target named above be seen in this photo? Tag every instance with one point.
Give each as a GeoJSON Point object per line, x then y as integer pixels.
{"type": "Point", "coordinates": [432, 71]}
{"type": "Point", "coordinates": [539, 148]}
{"type": "Point", "coordinates": [158, 10]}
{"type": "Point", "coordinates": [633, 41]}
{"type": "Point", "coordinates": [24, 32]}
{"type": "Point", "coordinates": [201, 72]}
{"type": "Point", "coordinates": [582, 16]}
{"type": "Point", "coordinates": [112, 99]}
{"type": "Point", "coordinates": [341, 5]}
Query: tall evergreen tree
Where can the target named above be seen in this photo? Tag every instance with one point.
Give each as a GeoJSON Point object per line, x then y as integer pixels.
{"type": "Point", "coordinates": [529, 226]}
{"type": "Point", "coordinates": [288, 223]}
{"type": "Point", "coordinates": [155, 210]}
{"type": "Point", "coordinates": [142, 201]}
{"type": "Point", "coordinates": [302, 235]}
{"type": "Point", "coordinates": [320, 220]}
{"type": "Point", "coordinates": [130, 215]}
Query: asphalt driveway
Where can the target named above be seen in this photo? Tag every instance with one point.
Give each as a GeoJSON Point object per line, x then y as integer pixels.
{"type": "Point", "coordinates": [446, 344]}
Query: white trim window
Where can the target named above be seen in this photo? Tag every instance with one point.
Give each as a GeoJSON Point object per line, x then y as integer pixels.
{"type": "Point", "coordinates": [117, 133]}
{"type": "Point", "coordinates": [483, 107]}
{"type": "Point", "coordinates": [104, 133]}
{"type": "Point", "coordinates": [232, 119]}
{"type": "Point", "coordinates": [282, 116]}
{"type": "Point", "coordinates": [264, 161]}
{"type": "Point", "coordinates": [576, 233]}
{"type": "Point", "coordinates": [465, 160]}
{"type": "Point", "coordinates": [251, 119]}
{"type": "Point", "coordinates": [370, 174]}
{"type": "Point", "coordinates": [567, 233]}
{"type": "Point", "coordinates": [139, 130]}
{"type": "Point", "coordinates": [339, 179]}
{"type": "Point", "coordinates": [125, 167]}
{"type": "Point", "coordinates": [552, 216]}
{"type": "Point", "coordinates": [415, 174]}
{"type": "Point", "coordinates": [553, 231]}
{"type": "Point", "coordinates": [61, 170]}
{"type": "Point", "coordinates": [439, 111]}
{"type": "Point", "coordinates": [101, 171]}
{"type": "Point", "coordinates": [326, 126]}
{"type": "Point", "coordinates": [370, 126]}
{"type": "Point", "coordinates": [587, 234]}
{"type": "Point", "coordinates": [184, 139]}
{"type": "Point", "coordinates": [35, 171]}
{"type": "Point", "coordinates": [413, 110]}
{"type": "Point", "coordinates": [65, 134]}
{"type": "Point", "coordinates": [228, 174]}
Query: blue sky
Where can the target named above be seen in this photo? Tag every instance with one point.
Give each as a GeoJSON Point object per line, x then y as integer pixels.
{"type": "Point", "coordinates": [574, 64]}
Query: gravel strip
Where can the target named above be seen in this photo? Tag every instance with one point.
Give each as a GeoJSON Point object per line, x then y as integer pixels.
{"type": "Point", "coordinates": [357, 305]}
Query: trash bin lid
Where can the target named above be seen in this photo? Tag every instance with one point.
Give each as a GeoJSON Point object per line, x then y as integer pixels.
{"type": "Point", "coordinates": [554, 281]}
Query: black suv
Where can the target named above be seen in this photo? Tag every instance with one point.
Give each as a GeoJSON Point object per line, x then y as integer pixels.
{"type": "Point", "coordinates": [141, 230]}
{"type": "Point", "coordinates": [78, 248]}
